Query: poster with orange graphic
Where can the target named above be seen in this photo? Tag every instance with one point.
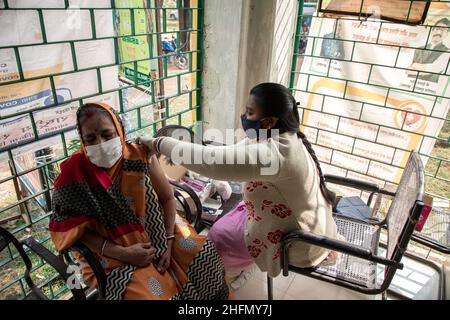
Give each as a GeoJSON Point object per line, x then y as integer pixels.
{"type": "Point", "coordinates": [372, 92]}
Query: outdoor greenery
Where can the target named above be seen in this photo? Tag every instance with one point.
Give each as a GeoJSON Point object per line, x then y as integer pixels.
{"type": "Point", "coordinates": [442, 151]}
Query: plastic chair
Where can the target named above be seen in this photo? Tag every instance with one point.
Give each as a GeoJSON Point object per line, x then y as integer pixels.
{"type": "Point", "coordinates": [356, 265]}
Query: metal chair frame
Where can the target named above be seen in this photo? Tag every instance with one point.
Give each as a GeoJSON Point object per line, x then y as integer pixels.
{"type": "Point", "coordinates": [391, 263]}
{"type": "Point", "coordinates": [36, 293]}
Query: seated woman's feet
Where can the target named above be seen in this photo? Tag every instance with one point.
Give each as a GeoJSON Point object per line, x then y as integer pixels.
{"type": "Point", "coordinates": [333, 255]}
{"type": "Point", "coordinates": [330, 259]}
{"type": "Point", "coordinates": [240, 280]}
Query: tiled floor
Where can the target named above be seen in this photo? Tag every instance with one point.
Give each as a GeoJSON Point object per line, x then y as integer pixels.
{"type": "Point", "coordinates": [415, 281]}
{"type": "Point", "coordinates": [295, 287]}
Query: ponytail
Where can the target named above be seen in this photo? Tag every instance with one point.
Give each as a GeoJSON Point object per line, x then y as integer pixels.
{"type": "Point", "coordinates": [329, 195]}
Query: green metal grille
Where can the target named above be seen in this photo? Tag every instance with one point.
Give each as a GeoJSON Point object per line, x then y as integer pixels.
{"type": "Point", "coordinates": [153, 88]}
{"type": "Point", "coordinates": [437, 160]}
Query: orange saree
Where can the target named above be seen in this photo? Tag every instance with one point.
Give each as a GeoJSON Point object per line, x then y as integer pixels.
{"type": "Point", "coordinates": [120, 205]}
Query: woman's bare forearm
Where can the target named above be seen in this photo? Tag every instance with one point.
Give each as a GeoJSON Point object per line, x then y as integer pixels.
{"type": "Point", "coordinates": [95, 243]}
{"type": "Point", "coordinates": [169, 208]}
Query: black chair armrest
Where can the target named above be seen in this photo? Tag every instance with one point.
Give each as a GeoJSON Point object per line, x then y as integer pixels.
{"type": "Point", "coordinates": [195, 198]}
{"type": "Point", "coordinates": [8, 238]}
{"type": "Point", "coordinates": [54, 262]}
{"type": "Point", "coordinates": [95, 265]}
{"type": "Point", "coordinates": [186, 208]}
{"type": "Point", "coordinates": [332, 244]}
{"type": "Point", "coordinates": [352, 183]}
{"type": "Point", "coordinates": [358, 184]}
{"type": "Point", "coordinates": [430, 243]}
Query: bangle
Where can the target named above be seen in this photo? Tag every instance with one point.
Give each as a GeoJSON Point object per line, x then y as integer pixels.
{"type": "Point", "coordinates": [103, 247]}
{"type": "Point", "coordinates": [168, 237]}
{"type": "Point", "coordinates": [157, 144]}
{"type": "Point", "coordinates": [154, 144]}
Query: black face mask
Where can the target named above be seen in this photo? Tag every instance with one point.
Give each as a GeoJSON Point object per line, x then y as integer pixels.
{"type": "Point", "coordinates": [248, 125]}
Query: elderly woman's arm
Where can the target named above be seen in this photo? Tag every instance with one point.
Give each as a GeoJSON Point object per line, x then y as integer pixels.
{"type": "Point", "coordinates": [140, 254]}
{"type": "Point", "coordinates": [166, 198]}
{"type": "Point", "coordinates": [165, 194]}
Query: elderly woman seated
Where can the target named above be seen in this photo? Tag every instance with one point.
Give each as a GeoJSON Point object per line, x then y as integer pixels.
{"type": "Point", "coordinates": [114, 197]}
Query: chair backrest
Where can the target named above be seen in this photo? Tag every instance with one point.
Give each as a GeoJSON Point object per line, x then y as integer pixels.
{"type": "Point", "coordinates": [172, 171]}
{"type": "Point", "coordinates": [3, 241]}
{"type": "Point", "coordinates": [7, 238]}
{"type": "Point", "coordinates": [177, 132]}
{"type": "Point", "coordinates": [46, 255]}
{"type": "Point", "coordinates": [405, 208]}
{"type": "Point", "coordinates": [95, 265]}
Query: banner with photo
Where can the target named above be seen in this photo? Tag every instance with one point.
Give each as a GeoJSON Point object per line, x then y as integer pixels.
{"type": "Point", "coordinates": [372, 92]}
{"type": "Point", "coordinates": [136, 47]}
{"type": "Point", "coordinates": [404, 11]}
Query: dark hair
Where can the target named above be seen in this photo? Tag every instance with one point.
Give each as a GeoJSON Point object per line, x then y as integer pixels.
{"type": "Point", "coordinates": [88, 109]}
{"type": "Point", "coordinates": [443, 21]}
{"type": "Point", "coordinates": [277, 101]}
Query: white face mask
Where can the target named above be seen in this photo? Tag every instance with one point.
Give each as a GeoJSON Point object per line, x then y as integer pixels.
{"type": "Point", "coordinates": [105, 154]}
